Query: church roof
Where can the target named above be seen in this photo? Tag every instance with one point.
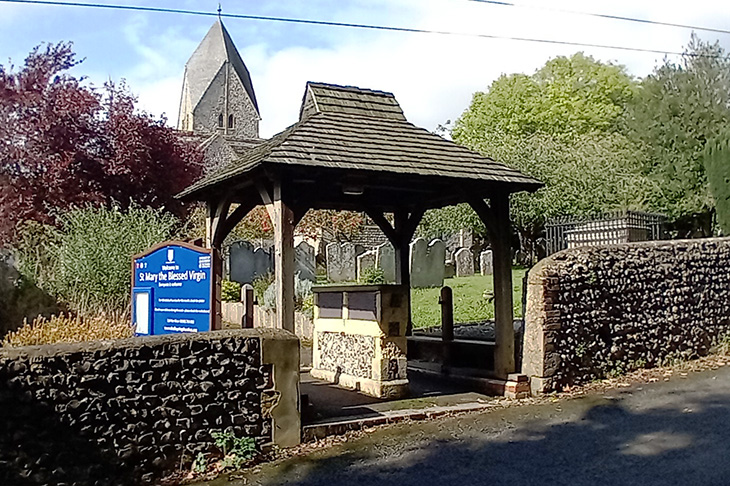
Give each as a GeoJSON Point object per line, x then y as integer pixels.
{"type": "Point", "coordinates": [344, 127]}
{"type": "Point", "coordinates": [216, 48]}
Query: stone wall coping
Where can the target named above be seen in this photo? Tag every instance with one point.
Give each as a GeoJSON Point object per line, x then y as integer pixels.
{"type": "Point", "coordinates": [540, 270]}
{"type": "Point", "coordinates": [47, 350]}
{"type": "Point", "coordinates": [354, 288]}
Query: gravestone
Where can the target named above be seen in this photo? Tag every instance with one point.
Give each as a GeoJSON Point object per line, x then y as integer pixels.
{"type": "Point", "coordinates": [341, 261]}
{"type": "Point", "coordinates": [449, 270]}
{"type": "Point", "coordinates": [364, 262]}
{"type": "Point", "coordinates": [304, 261]}
{"type": "Point", "coordinates": [417, 262]}
{"type": "Point", "coordinates": [385, 260]}
{"type": "Point", "coordinates": [486, 265]}
{"type": "Point", "coordinates": [464, 262]}
{"type": "Point", "coordinates": [427, 263]}
{"type": "Point", "coordinates": [436, 263]}
{"type": "Point", "coordinates": [245, 262]}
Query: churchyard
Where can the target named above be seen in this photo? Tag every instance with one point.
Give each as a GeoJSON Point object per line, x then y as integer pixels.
{"type": "Point", "coordinates": [127, 375]}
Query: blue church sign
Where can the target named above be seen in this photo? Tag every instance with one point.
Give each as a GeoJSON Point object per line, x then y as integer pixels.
{"type": "Point", "coordinates": [171, 289]}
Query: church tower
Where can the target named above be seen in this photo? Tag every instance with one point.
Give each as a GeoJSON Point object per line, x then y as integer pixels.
{"type": "Point", "coordinates": [217, 94]}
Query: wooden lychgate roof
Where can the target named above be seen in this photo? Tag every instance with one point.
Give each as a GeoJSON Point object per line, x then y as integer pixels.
{"type": "Point", "coordinates": [348, 135]}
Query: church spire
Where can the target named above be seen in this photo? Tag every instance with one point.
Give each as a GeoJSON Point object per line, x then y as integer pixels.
{"type": "Point", "coordinates": [217, 93]}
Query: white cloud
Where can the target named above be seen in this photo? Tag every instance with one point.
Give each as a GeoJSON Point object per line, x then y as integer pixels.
{"type": "Point", "coordinates": [433, 76]}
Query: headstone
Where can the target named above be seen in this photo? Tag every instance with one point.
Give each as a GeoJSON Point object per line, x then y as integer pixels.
{"type": "Point", "coordinates": [364, 262]}
{"type": "Point", "coordinates": [435, 265]}
{"type": "Point", "coordinates": [427, 263]}
{"type": "Point", "coordinates": [417, 262]}
{"type": "Point", "coordinates": [341, 261]}
{"type": "Point", "coordinates": [246, 262]}
{"type": "Point", "coordinates": [385, 260]}
{"type": "Point", "coordinates": [485, 262]}
{"type": "Point", "coordinates": [464, 262]}
{"type": "Point", "coordinates": [305, 262]}
{"type": "Point", "coordinates": [449, 270]}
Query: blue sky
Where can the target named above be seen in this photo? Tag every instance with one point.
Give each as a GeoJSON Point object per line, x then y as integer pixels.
{"type": "Point", "coordinates": [432, 76]}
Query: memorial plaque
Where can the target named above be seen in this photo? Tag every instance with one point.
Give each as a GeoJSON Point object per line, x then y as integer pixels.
{"type": "Point", "coordinates": [171, 291]}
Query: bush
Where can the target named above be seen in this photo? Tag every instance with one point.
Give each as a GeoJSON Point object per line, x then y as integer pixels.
{"type": "Point", "coordinates": [230, 291]}
{"type": "Point", "coordinates": [372, 276]}
{"type": "Point", "coordinates": [86, 263]}
{"type": "Point", "coordinates": [67, 329]}
{"type": "Point", "coordinates": [260, 284]}
{"type": "Point", "coordinates": [303, 299]}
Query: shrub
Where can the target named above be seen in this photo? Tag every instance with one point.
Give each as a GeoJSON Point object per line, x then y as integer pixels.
{"type": "Point", "coordinates": [86, 263]}
{"type": "Point", "coordinates": [230, 291]}
{"type": "Point", "coordinates": [302, 295]}
{"type": "Point", "coordinates": [260, 284]}
{"type": "Point", "coordinates": [372, 276]}
{"type": "Point", "coordinates": [67, 329]}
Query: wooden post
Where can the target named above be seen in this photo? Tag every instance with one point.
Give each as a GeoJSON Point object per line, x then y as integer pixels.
{"type": "Point", "coordinates": [447, 326]}
{"type": "Point", "coordinates": [283, 222]}
{"type": "Point", "coordinates": [504, 357]}
{"type": "Point", "coordinates": [247, 301]}
{"type": "Point", "coordinates": [496, 218]}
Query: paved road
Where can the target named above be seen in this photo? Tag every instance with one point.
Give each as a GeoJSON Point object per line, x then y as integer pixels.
{"type": "Point", "coordinates": [668, 433]}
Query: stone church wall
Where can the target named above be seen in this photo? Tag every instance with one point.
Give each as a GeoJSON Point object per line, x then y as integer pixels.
{"type": "Point", "coordinates": [213, 104]}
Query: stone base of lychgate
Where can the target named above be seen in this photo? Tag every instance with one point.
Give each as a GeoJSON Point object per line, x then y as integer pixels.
{"type": "Point", "coordinates": [360, 338]}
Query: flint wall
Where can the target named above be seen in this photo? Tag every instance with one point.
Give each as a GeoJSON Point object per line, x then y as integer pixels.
{"type": "Point", "coordinates": [596, 310]}
{"type": "Point", "coordinates": [133, 410]}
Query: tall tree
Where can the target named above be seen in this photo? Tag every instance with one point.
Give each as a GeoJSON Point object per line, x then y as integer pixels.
{"type": "Point", "coordinates": [558, 125]}
{"type": "Point", "coordinates": [64, 144]}
{"type": "Point", "coordinates": [678, 108]}
{"type": "Point", "coordinates": [716, 159]}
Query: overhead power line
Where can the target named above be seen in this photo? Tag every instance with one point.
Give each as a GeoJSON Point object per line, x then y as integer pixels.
{"type": "Point", "coordinates": [140, 8]}
{"type": "Point", "coordinates": [604, 16]}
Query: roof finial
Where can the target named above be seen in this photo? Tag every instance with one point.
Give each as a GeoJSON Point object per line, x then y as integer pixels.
{"type": "Point", "coordinates": [219, 11]}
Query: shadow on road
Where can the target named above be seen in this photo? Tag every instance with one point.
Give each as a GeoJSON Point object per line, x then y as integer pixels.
{"type": "Point", "coordinates": [676, 437]}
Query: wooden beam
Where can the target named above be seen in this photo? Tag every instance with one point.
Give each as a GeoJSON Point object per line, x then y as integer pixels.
{"type": "Point", "coordinates": [282, 219]}
{"type": "Point", "coordinates": [247, 203]}
{"type": "Point", "coordinates": [384, 225]}
{"type": "Point", "coordinates": [299, 213]}
{"type": "Point", "coordinates": [497, 220]}
{"type": "Point", "coordinates": [217, 213]}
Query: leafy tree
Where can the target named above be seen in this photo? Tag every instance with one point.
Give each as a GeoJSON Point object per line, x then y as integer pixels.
{"type": "Point", "coordinates": [677, 110]}
{"type": "Point", "coordinates": [716, 158]}
{"type": "Point", "coordinates": [568, 96]}
{"type": "Point", "coordinates": [560, 126]}
{"type": "Point", "coordinates": [85, 262]}
{"type": "Point", "coordinates": [63, 144]}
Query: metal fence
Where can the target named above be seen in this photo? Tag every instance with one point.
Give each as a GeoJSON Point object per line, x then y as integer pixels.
{"type": "Point", "coordinates": [603, 229]}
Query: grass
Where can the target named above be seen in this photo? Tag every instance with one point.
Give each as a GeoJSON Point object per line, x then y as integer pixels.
{"type": "Point", "coordinates": [470, 303]}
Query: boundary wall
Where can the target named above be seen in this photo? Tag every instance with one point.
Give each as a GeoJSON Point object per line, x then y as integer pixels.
{"type": "Point", "coordinates": [594, 311]}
